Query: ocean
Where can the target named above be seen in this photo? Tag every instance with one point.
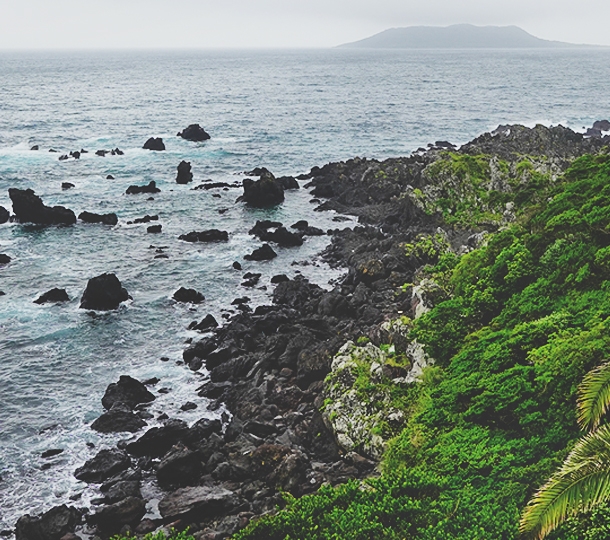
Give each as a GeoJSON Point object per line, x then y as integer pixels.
{"type": "Point", "coordinates": [284, 110]}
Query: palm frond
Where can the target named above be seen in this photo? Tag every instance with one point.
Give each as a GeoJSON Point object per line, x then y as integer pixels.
{"type": "Point", "coordinates": [593, 397]}
{"type": "Point", "coordinates": [583, 481]}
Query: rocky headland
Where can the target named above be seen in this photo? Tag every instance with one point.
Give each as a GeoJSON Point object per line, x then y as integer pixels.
{"type": "Point", "coordinates": [308, 381]}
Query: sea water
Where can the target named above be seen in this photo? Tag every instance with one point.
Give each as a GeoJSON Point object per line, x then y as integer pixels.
{"type": "Point", "coordinates": [287, 111]}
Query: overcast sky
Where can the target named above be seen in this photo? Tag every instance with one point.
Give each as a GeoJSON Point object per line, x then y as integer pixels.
{"type": "Point", "coordinates": [35, 24]}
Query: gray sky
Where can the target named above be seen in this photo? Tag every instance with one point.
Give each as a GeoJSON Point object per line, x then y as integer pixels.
{"type": "Point", "coordinates": [28, 24]}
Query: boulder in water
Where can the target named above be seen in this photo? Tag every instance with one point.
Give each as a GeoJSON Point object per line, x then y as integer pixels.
{"type": "Point", "coordinates": [154, 144]}
{"type": "Point", "coordinates": [104, 293]}
{"type": "Point", "coordinates": [184, 173]}
{"type": "Point", "coordinates": [4, 215]}
{"type": "Point", "coordinates": [29, 208]}
{"type": "Point", "coordinates": [4, 259]}
{"type": "Point", "coordinates": [263, 193]}
{"type": "Point", "coordinates": [128, 391]}
{"type": "Point", "coordinates": [150, 188]}
{"type": "Point", "coordinates": [213, 235]}
{"type": "Point", "coordinates": [118, 419]}
{"type": "Point", "coordinates": [188, 296]}
{"type": "Point", "coordinates": [105, 464]}
{"type": "Point", "coordinates": [194, 133]}
{"type": "Point", "coordinates": [263, 253]}
{"type": "Point", "coordinates": [51, 525]}
{"type": "Point", "coordinates": [54, 295]}
{"type": "Point", "coordinates": [105, 219]}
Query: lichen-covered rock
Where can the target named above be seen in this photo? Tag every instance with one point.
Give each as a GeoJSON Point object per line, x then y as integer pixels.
{"type": "Point", "coordinates": [360, 406]}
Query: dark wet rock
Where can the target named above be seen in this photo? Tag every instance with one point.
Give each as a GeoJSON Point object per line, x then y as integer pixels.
{"type": "Point", "coordinates": [180, 468]}
{"type": "Point", "coordinates": [146, 219]}
{"type": "Point", "coordinates": [105, 219]}
{"type": "Point", "coordinates": [288, 182]}
{"type": "Point", "coordinates": [63, 157]}
{"type": "Point", "coordinates": [104, 293]}
{"type": "Point", "coordinates": [51, 525]}
{"type": "Point", "coordinates": [200, 349]}
{"type": "Point", "coordinates": [158, 440]}
{"type": "Point", "coordinates": [263, 253]}
{"type": "Point", "coordinates": [51, 453]}
{"type": "Point", "coordinates": [4, 215]}
{"type": "Point", "coordinates": [306, 229]}
{"type": "Point", "coordinates": [118, 419]}
{"type": "Point", "coordinates": [602, 125]}
{"type": "Point", "coordinates": [67, 185]}
{"type": "Point", "coordinates": [154, 144]}
{"type": "Point", "coordinates": [101, 153]}
{"type": "Point", "coordinates": [104, 465]}
{"type": "Point", "coordinates": [188, 296]}
{"type": "Point", "coordinates": [29, 208]}
{"type": "Point", "coordinates": [188, 406]}
{"type": "Point", "coordinates": [236, 266]}
{"type": "Point", "coordinates": [261, 228]}
{"type": "Point", "coordinates": [194, 133]}
{"type": "Point", "coordinates": [109, 177]}
{"type": "Point", "coordinates": [280, 278]}
{"type": "Point", "coordinates": [121, 490]}
{"type": "Point", "coordinates": [284, 238]}
{"type": "Point", "coordinates": [4, 259]}
{"type": "Point", "coordinates": [250, 279]}
{"type": "Point", "coordinates": [212, 235]}
{"type": "Point", "coordinates": [263, 193]}
{"type": "Point", "coordinates": [184, 175]}
{"type": "Point", "coordinates": [35, 147]}
{"type": "Point", "coordinates": [154, 229]}
{"type": "Point", "coordinates": [197, 503]}
{"type": "Point", "coordinates": [111, 519]}
{"type": "Point", "coordinates": [151, 187]}
{"type": "Point", "coordinates": [75, 155]}
{"type": "Point", "coordinates": [54, 295]}
{"type": "Point", "coordinates": [207, 323]}
{"type": "Point", "coordinates": [128, 391]}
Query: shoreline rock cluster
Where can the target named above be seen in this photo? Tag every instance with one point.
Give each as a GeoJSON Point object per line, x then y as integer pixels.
{"type": "Point", "coordinates": [269, 366]}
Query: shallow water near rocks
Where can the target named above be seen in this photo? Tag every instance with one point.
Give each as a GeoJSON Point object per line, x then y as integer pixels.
{"type": "Point", "coordinates": [287, 111]}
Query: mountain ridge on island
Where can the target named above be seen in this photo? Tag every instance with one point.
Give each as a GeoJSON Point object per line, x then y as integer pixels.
{"type": "Point", "coordinates": [457, 36]}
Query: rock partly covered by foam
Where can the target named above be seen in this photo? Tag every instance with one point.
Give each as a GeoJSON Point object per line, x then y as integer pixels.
{"type": "Point", "coordinates": [151, 187]}
{"type": "Point", "coordinates": [153, 143]}
{"type": "Point", "coordinates": [194, 133]}
{"type": "Point", "coordinates": [104, 293]}
{"type": "Point", "coordinates": [4, 215]}
{"type": "Point", "coordinates": [29, 208]}
{"type": "Point", "coordinates": [213, 235]}
{"type": "Point", "coordinates": [54, 295]}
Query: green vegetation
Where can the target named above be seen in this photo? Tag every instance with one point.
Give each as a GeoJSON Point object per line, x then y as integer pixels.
{"type": "Point", "coordinates": [528, 317]}
{"type": "Point", "coordinates": [173, 535]}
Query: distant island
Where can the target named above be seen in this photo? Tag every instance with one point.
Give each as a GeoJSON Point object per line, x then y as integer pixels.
{"type": "Point", "coordinates": [458, 36]}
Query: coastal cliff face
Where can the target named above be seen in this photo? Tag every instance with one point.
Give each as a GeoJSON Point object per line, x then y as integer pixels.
{"type": "Point", "coordinates": [436, 366]}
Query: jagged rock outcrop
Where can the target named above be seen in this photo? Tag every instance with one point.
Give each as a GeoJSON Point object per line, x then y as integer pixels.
{"type": "Point", "coordinates": [104, 293]}
{"type": "Point", "coordinates": [29, 208]}
{"type": "Point", "coordinates": [194, 133]}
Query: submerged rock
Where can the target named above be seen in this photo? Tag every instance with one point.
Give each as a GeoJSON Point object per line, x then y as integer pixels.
{"type": "Point", "coordinates": [105, 219]}
{"type": "Point", "coordinates": [184, 173]}
{"type": "Point", "coordinates": [104, 293]}
{"type": "Point", "coordinates": [51, 525]}
{"type": "Point", "coordinates": [194, 133]}
{"type": "Point", "coordinates": [29, 208]}
{"type": "Point", "coordinates": [54, 295]}
{"type": "Point", "coordinates": [154, 144]}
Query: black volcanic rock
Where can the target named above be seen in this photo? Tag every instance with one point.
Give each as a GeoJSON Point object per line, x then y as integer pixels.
{"type": "Point", "coordinates": [105, 219]}
{"type": "Point", "coordinates": [29, 208]}
{"type": "Point", "coordinates": [150, 188]}
{"type": "Point", "coordinates": [4, 259]}
{"type": "Point", "coordinates": [181, 467]}
{"type": "Point", "coordinates": [51, 525]}
{"type": "Point", "coordinates": [213, 235]}
{"type": "Point", "coordinates": [207, 323]}
{"type": "Point", "coordinates": [4, 215]}
{"type": "Point", "coordinates": [54, 295]}
{"type": "Point", "coordinates": [118, 419]}
{"type": "Point", "coordinates": [67, 185]}
{"type": "Point", "coordinates": [288, 182]}
{"type": "Point", "coordinates": [158, 440]}
{"type": "Point", "coordinates": [128, 391]}
{"type": "Point", "coordinates": [263, 193]}
{"type": "Point", "coordinates": [111, 519]}
{"type": "Point", "coordinates": [197, 503]}
{"type": "Point", "coordinates": [154, 229]}
{"type": "Point", "coordinates": [154, 144]}
{"type": "Point", "coordinates": [105, 464]}
{"type": "Point", "coordinates": [188, 296]}
{"type": "Point", "coordinates": [263, 253]}
{"type": "Point", "coordinates": [194, 133]}
{"type": "Point", "coordinates": [184, 175]}
{"type": "Point", "coordinates": [103, 293]}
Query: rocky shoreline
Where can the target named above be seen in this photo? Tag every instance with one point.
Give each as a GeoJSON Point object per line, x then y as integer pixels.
{"type": "Point", "coordinates": [272, 367]}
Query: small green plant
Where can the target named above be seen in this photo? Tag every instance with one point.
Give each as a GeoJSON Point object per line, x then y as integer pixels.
{"type": "Point", "coordinates": [173, 535]}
